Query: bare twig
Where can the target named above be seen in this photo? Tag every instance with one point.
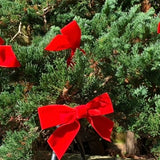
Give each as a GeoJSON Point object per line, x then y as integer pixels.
{"type": "Point", "coordinates": [19, 32]}
{"type": "Point", "coordinates": [45, 11]}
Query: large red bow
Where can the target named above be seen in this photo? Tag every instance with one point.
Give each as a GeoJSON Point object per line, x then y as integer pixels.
{"type": "Point", "coordinates": [67, 118]}
{"type": "Point", "coordinates": [69, 39]}
{"type": "Point", "coordinates": [7, 56]}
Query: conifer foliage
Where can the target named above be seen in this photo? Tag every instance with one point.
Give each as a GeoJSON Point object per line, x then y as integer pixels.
{"type": "Point", "coordinates": [122, 58]}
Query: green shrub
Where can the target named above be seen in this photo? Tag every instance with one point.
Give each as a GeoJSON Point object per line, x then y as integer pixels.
{"type": "Point", "coordinates": [122, 58]}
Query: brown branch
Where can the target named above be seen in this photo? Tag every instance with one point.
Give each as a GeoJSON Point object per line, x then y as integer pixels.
{"type": "Point", "coordinates": [19, 32]}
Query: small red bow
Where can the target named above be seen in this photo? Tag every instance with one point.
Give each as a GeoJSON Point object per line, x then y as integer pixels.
{"type": "Point", "coordinates": [68, 119]}
{"type": "Point", "coordinates": [7, 56]}
{"type": "Point", "coordinates": [158, 28]}
{"type": "Point", "coordinates": [69, 39]}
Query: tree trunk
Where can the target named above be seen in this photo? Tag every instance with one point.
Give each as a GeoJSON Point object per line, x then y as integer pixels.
{"type": "Point", "coordinates": [131, 143]}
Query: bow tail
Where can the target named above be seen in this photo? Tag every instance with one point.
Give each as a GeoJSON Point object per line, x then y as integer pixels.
{"type": "Point", "coordinates": [1, 41]}
{"type": "Point", "coordinates": [82, 50]}
{"type": "Point", "coordinates": [102, 125]}
{"type": "Point", "coordinates": [60, 140]}
{"type": "Point", "coordinates": [69, 60]}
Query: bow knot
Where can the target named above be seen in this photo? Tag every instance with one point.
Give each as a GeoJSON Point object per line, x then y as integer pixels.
{"type": "Point", "coordinates": [68, 120]}
{"type": "Point", "coordinates": [81, 111]}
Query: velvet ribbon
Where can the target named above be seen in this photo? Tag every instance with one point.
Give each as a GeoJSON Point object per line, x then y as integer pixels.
{"type": "Point", "coordinates": [69, 38]}
{"type": "Point", "coordinates": [68, 120]}
{"type": "Point", "coordinates": [7, 56]}
{"type": "Point", "coordinates": [158, 28]}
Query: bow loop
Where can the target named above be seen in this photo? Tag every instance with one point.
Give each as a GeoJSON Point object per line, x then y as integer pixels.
{"type": "Point", "coordinates": [73, 34]}
{"type": "Point", "coordinates": [100, 105]}
{"type": "Point", "coordinates": [53, 115]}
{"type": "Point", "coordinates": [7, 57]}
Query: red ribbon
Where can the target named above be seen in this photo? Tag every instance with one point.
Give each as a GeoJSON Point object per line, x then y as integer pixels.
{"type": "Point", "coordinates": [158, 28]}
{"type": "Point", "coordinates": [7, 56]}
{"type": "Point", "coordinates": [1, 41]}
{"type": "Point", "coordinates": [69, 39]}
{"type": "Point", "coordinates": [68, 120]}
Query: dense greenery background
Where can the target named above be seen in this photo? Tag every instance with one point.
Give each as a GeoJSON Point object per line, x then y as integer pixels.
{"type": "Point", "coordinates": [122, 58]}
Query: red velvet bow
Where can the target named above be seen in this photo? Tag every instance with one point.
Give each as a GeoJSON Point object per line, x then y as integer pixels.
{"type": "Point", "coordinates": [158, 28]}
{"type": "Point", "coordinates": [68, 119]}
{"type": "Point", "coordinates": [69, 39]}
{"type": "Point", "coordinates": [7, 56]}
